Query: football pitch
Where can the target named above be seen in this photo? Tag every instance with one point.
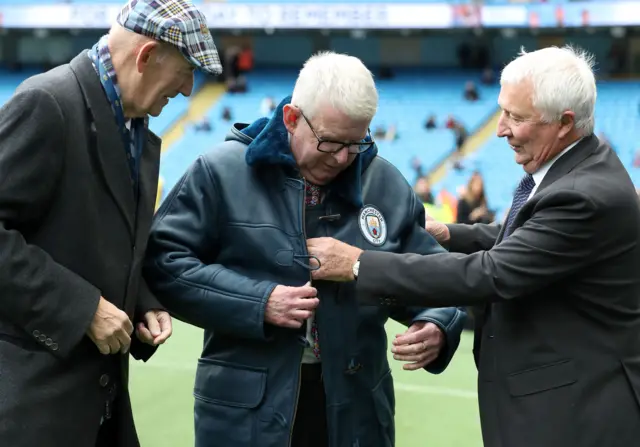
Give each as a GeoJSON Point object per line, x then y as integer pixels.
{"type": "Point", "coordinates": [431, 411]}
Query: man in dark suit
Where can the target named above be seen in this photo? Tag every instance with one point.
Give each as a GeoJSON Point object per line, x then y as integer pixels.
{"type": "Point", "coordinates": [558, 341]}
{"type": "Point", "coordinates": [78, 181]}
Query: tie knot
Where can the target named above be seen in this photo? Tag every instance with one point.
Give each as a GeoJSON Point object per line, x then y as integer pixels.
{"type": "Point", "coordinates": [527, 183]}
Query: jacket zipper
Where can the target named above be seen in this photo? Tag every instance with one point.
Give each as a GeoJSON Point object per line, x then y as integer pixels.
{"type": "Point", "coordinates": [304, 245]}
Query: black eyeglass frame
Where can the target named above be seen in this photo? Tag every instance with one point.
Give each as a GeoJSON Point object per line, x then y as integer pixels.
{"type": "Point", "coordinates": [359, 145]}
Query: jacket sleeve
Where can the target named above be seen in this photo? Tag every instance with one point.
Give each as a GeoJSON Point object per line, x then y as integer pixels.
{"type": "Point", "coordinates": [468, 239]}
{"type": "Point", "coordinates": [44, 298]}
{"type": "Point", "coordinates": [180, 266]}
{"type": "Point", "coordinates": [450, 320]}
{"type": "Point", "coordinates": [146, 302]}
{"type": "Point", "coordinates": [562, 237]}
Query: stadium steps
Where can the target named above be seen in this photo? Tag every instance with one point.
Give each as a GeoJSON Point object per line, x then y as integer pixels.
{"type": "Point", "coordinates": [199, 105]}
{"type": "Point", "coordinates": [473, 143]}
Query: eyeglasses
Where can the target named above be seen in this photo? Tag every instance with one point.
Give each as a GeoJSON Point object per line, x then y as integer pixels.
{"type": "Point", "coordinates": [333, 147]}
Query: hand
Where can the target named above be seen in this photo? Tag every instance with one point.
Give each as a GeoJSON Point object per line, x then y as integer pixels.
{"type": "Point", "coordinates": [156, 328]}
{"type": "Point", "coordinates": [336, 259]}
{"type": "Point", "coordinates": [290, 306]}
{"type": "Point", "coordinates": [420, 344]}
{"type": "Point", "coordinates": [478, 213]}
{"type": "Point", "coordinates": [438, 230]}
{"type": "Point", "coordinates": [110, 329]}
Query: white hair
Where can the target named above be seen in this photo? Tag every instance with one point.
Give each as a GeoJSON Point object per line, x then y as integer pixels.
{"type": "Point", "coordinates": [338, 80]}
{"type": "Point", "coordinates": [562, 79]}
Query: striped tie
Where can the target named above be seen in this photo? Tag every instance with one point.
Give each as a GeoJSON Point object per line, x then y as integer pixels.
{"type": "Point", "coordinates": [519, 199]}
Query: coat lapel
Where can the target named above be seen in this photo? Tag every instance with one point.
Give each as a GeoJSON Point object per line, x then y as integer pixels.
{"type": "Point", "coordinates": [110, 152]}
{"type": "Point", "coordinates": [148, 183]}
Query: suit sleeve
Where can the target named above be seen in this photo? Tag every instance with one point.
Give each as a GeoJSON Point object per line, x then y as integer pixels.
{"type": "Point", "coordinates": [146, 302]}
{"type": "Point", "coordinates": [449, 320]}
{"type": "Point", "coordinates": [472, 238]}
{"type": "Point", "coordinates": [180, 265]}
{"type": "Point", "coordinates": [38, 295]}
{"type": "Point", "coordinates": [559, 239]}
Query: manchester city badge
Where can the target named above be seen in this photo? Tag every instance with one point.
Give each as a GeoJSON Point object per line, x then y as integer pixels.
{"type": "Point", "coordinates": [372, 225]}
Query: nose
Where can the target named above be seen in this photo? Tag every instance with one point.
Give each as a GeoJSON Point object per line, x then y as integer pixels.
{"type": "Point", "coordinates": [341, 156]}
{"type": "Point", "coordinates": [187, 87]}
{"type": "Point", "coordinates": [503, 128]}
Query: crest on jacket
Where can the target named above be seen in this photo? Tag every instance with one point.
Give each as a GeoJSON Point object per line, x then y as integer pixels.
{"type": "Point", "coordinates": [372, 225]}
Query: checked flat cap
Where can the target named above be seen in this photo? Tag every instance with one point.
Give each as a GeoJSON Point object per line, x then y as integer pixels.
{"type": "Point", "coordinates": [177, 22]}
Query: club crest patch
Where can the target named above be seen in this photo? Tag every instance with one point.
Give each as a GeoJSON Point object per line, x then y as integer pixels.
{"type": "Point", "coordinates": [373, 226]}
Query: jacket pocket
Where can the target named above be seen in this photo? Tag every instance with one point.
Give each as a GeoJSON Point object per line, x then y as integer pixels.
{"type": "Point", "coordinates": [384, 403]}
{"type": "Point", "coordinates": [226, 399]}
{"type": "Point", "coordinates": [542, 378]}
{"type": "Point", "coordinates": [543, 394]}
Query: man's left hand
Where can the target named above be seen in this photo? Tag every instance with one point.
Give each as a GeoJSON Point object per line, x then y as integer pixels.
{"type": "Point", "coordinates": [419, 345]}
{"type": "Point", "coordinates": [336, 259]}
{"type": "Point", "coordinates": [155, 329]}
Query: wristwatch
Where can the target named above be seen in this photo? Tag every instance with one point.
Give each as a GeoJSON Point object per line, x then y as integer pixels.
{"type": "Point", "coordinates": [356, 268]}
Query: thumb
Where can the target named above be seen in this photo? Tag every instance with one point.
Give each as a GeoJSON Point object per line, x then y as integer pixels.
{"type": "Point", "coordinates": [153, 325]}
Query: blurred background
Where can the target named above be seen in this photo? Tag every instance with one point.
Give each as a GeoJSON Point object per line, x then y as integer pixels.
{"type": "Point", "coordinates": [437, 65]}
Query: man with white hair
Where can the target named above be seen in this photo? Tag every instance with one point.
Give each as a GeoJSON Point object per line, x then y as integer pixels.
{"type": "Point", "coordinates": [557, 285]}
{"type": "Point", "coordinates": [286, 362]}
{"type": "Point", "coordinates": [78, 182]}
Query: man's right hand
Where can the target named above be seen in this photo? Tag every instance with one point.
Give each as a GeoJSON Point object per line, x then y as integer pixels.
{"type": "Point", "coordinates": [290, 306]}
{"type": "Point", "coordinates": [110, 329]}
{"type": "Point", "coordinates": [438, 230]}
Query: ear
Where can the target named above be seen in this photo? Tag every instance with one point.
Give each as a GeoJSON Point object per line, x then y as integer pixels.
{"type": "Point", "coordinates": [290, 116]}
{"type": "Point", "coordinates": [567, 123]}
{"type": "Point", "coordinates": [145, 53]}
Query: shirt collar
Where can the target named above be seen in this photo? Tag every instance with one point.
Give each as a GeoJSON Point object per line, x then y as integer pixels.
{"type": "Point", "coordinates": [538, 176]}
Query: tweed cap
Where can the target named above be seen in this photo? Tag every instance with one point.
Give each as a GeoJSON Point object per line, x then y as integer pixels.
{"type": "Point", "coordinates": [177, 22]}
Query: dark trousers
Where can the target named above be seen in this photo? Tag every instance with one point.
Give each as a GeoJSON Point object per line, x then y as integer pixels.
{"type": "Point", "coordinates": [310, 425]}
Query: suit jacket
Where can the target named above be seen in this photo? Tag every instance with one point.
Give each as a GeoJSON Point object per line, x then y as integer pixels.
{"type": "Point", "coordinates": [558, 348]}
{"type": "Point", "coordinates": [70, 231]}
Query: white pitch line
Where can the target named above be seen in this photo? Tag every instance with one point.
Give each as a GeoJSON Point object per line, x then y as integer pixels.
{"type": "Point", "coordinates": [399, 386]}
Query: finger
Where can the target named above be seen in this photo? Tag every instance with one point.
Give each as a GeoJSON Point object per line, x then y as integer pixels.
{"type": "Point", "coordinates": [127, 325]}
{"type": "Point", "coordinates": [292, 324]}
{"type": "Point", "coordinates": [409, 338]}
{"type": "Point", "coordinates": [300, 315]}
{"type": "Point", "coordinates": [412, 357]}
{"type": "Point", "coordinates": [114, 345]}
{"type": "Point", "coordinates": [152, 323]}
{"type": "Point", "coordinates": [166, 329]}
{"type": "Point", "coordinates": [420, 365]}
{"type": "Point", "coordinates": [103, 347]}
{"type": "Point", "coordinates": [144, 335]}
{"type": "Point", "coordinates": [307, 292]}
{"type": "Point", "coordinates": [413, 328]}
{"type": "Point", "coordinates": [305, 304]}
{"type": "Point", "coordinates": [124, 340]}
{"type": "Point", "coordinates": [413, 349]}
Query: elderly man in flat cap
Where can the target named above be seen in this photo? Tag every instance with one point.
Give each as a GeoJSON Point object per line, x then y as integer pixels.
{"type": "Point", "coordinates": [78, 180]}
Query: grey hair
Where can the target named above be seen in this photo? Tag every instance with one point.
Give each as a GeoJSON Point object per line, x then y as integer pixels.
{"type": "Point", "coordinates": [562, 79]}
{"type": "Point", "coordinates": [338, 80]}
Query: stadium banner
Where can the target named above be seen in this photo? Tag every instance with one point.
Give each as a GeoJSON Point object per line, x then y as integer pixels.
{"type": "Point", "coordinates": [316, 15]}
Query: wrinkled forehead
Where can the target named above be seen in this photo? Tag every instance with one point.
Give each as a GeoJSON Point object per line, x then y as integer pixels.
{"type": "Point", "coordinates": [331, 123]}
{"type": "Point", "coordinates": [517, 98]}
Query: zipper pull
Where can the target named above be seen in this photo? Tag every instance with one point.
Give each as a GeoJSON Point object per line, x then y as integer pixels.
{"type": "Point", "coordinates": [107, 410]}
